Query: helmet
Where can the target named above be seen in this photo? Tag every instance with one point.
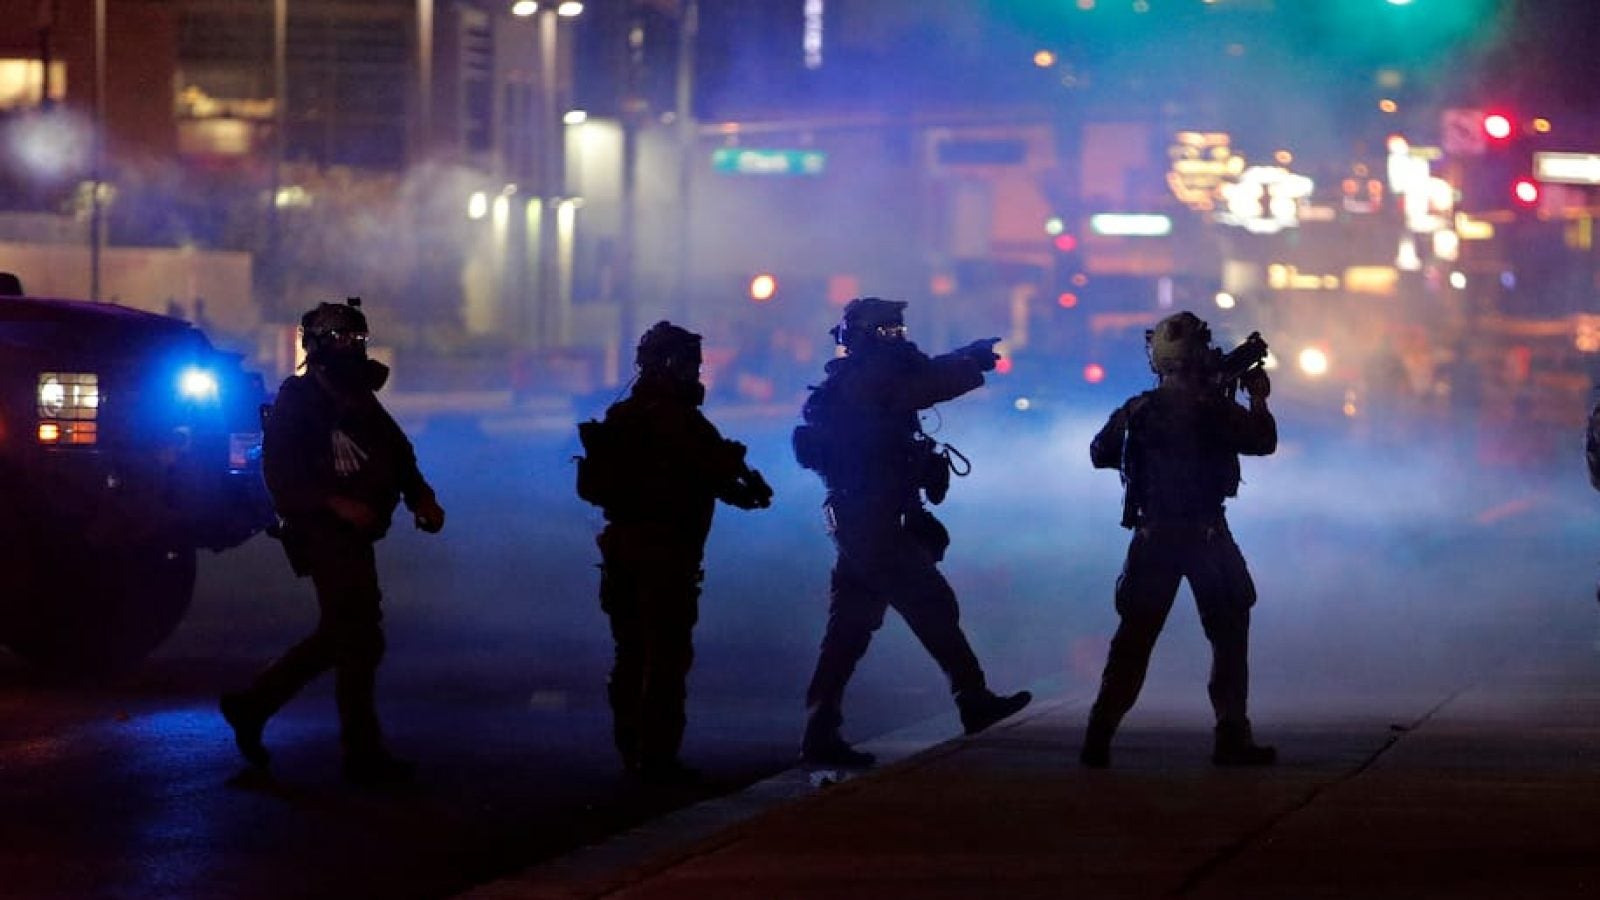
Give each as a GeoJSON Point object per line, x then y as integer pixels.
{"type": "Point", "coordinates": [1178, 342]}
{"type": "Point", "coordinates": [868, 318]}
{"type": "Point", "coordinates": [331, 325]}
{"type": "Point", "coordinates": [668, 349]}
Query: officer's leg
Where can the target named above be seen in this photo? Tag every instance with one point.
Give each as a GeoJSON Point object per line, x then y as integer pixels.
{"type": "Point", "coordinates": [348, 591]}
{"type": "Point", "coordinates": [1145, 591]}
{"type": "Point", "coordinates": [854, 613]}
{"type": "Point", "coordinates": [624, 689]}
{"type": "Point", "coordinates": [1224, 593]}
{"type": "Point", "coordinates": [924, 598]}
{"type": "Point", "coordinates": [670, 607]}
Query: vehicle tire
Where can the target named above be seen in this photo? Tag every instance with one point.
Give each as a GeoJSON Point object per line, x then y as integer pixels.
{"type": "Point", "coordinates": [78, 613]}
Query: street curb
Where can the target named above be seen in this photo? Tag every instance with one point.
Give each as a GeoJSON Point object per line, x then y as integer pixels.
{"type": "Point", "coordinates": [638, 854]}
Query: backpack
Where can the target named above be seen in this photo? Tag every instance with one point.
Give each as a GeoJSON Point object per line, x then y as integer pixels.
{"type": "Point", "coordinates": [813, 440]}
{"type": "Point", "coordinates": [602, 469]}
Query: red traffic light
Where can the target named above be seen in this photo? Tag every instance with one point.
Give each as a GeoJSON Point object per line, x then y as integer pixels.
{"type": "Point", "coordinates": [1497, 126]}
{"type": "Point", "coordinates": [1525, 191]}
{"type": "Point", "coordinates": [1066, 243]}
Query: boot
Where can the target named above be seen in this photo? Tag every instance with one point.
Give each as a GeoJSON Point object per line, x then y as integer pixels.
{"type": "Point", "coordinates": [824, 746]}
{"type": "Point", "coordinates": [1096, 752]}
{"type": "Point", "coordinates": [980, 709]}
{"type": "Point", "coordinates": [247, 724]}
{"type": "Point", "coordinates": [1236, 747]}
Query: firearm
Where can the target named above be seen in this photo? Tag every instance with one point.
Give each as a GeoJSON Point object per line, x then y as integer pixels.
{"type": "Point", "coordinates": [1228, 368]}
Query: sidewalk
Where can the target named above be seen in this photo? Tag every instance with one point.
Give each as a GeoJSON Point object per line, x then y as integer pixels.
{"type": "Point", "coordinates": [1492, 791]}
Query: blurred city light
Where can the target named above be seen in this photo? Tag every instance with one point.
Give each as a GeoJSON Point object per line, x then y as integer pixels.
{"type": "Point", "coordinates": [575, 117]}
{"type": "Point", "coordinates": [1094, 373]}
{"type": "Point", "coordinates": [763, 288]}
{"type": "Point", "coordinates": [1130, 224]}
{"type": "Point", "coordinates": [1225, 300]}
{"type": "Point", "coordinates": [1066, 243]}
{"type": "Point", "coordinates": [524, 8]}
{"type": "Point", "coordinates": [1086, 5]}
{"type": "Point", "coordinates": [1497, 126]}
{"type": "Point", "coordinates": [1541, 125]}
{"type": "Point", "coordinates": [1067, 300]}
{"type": "Point", "coordinates": [1458, 280]}
{"type": "Point", "coordinates": [1054, 226]}
{"type": "Point", "coordinates": [1044, 59]}
{"type": "Point", "coordinates": [1525, 191]}
{"type": "Point", "coordinates": [569, 9]}
{"type": "Point", "coordinates": [1387, 105]}
{"type": "Point", "coordinates": [1314, 362]}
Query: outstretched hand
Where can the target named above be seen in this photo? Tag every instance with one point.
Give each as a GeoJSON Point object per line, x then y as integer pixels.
{"type": "Point", "coordinates": [982, 352]}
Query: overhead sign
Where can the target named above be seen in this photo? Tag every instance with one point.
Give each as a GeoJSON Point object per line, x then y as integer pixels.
{"type": "Point", "coordinates": [746, 161]}
{"type": "Point", "coordinates": [1567, 168]}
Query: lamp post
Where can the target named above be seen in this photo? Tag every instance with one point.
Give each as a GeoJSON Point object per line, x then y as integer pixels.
{"type": "Point", "coordinates": [550, 172]}
{"type": "Point", "coordinates": [98, 164]}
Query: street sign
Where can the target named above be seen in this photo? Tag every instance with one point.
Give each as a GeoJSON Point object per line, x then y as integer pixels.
{"type": "Point", "coordinates": [1462, 132]}
{"type": "Point", "coordinates": [747, 161]}
{"type": "Point", "coordinates": [1567, 168]}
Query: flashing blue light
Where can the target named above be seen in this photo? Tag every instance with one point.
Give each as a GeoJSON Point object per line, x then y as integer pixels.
{"type": "Point", "coordinates": [199, 385]}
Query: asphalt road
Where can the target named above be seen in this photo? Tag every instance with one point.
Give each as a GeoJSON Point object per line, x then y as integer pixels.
{"type": "Point", "coordinates": [1380, 569]}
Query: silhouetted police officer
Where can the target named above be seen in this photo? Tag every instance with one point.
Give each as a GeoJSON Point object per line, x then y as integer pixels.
{"type": "Point", "coordinates": [1178, 450]}
{"type": "Point", "coordinates": [336, 465]}
{"type": "Point", "coordinates": [657, 466]}
{"type": "Point", "coordinates": [862, 435]}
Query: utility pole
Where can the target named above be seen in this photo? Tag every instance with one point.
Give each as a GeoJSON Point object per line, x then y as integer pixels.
{"type": "Point", "coordinates": [688, 37]}
{"type": "Point", "coordinates": [552, 178]}
{"type": "Point", "coordinates": [280, 126]}
{"type": "Point", "coordinates": [633, 111]}
{"type": "Point", "coordinates": [95, 212]}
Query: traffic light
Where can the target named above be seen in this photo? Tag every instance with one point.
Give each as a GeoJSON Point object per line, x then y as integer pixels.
{"type": "Point", "coordinates": [1498, 127]}
{"type": "Point", "coordinates": [1525, 192]}
{"type": "Point", "coordinates": [1067, 273]}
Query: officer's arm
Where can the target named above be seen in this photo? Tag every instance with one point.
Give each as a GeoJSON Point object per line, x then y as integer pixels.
{"type": "Point", "coordinates": [413, 487]}
{"type": "Point", "coordinates": [936, 380]}
{"type": "Point", "coordinates": [289, 454]}
{"type": "Point", "coordinates": [1591, 447]}
{"type": "Point", "coordinates": [1105, 451]}
{"type": "Point", "coordinates": [1253, 431]}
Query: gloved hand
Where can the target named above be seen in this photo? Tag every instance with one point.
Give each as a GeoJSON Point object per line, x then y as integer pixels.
{"type": "Point", "coordinates": [751, 492]}
{"type": "Point", "coordinates": [429, 516]}
{"type": "Point", "coordinates": [1256, 383]}
{"type": "Point", "coordinates": [982, 352]}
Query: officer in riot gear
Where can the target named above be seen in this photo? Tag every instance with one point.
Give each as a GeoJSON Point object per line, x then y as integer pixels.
{"type": "Point", "coordinates": [861, 433]}
{"type": "Point", "coordinates": [656, 466]}
{"type": "Point", "coordinates": [336, 465]}
{"type": "Point", "coordinates": [1178, 448]}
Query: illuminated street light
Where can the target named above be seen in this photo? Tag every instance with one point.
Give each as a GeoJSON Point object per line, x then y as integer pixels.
{"type": "Point", "coordinates": [569, 9]}
{"type": "Point", "coordinates": [1225, 300]}
{"type": "Point", "coordinates": [575, 117]}
{"type": "Point", "coordinates": [1313, 362]}
{"type": "Point", "coordinates": [1541, 125]}
{"type": "Point", "coordinates": [1044, 59]}
{"type": "Point", "coordinates": [478, 205]}
{"type": "Point", "coordinates": [763, 287]}
{"type": "Point", "coordinates": [1387, 105]}
{"type": "Point", "coordinates": [524, 8]}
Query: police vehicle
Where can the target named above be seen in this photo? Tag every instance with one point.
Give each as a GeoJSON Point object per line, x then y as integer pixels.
{"type": "Point", "coordinates": [127, 443]}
